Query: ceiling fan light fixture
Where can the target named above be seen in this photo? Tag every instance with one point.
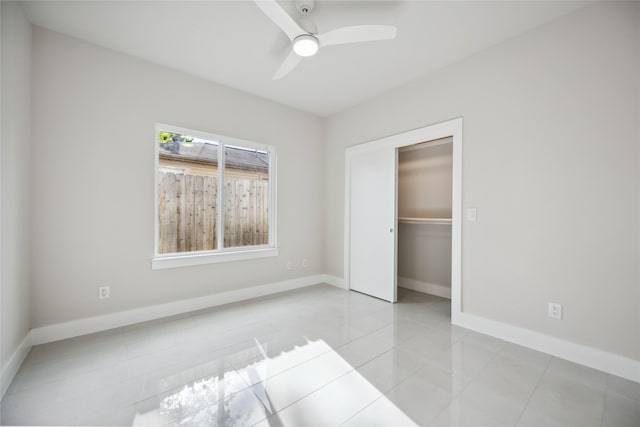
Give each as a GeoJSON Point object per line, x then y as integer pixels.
{"type": "Point", "coordinates": [305, 45]}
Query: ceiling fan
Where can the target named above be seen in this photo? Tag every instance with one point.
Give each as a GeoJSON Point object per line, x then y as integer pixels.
{"type": "Point", "coordinates": [305, 38]}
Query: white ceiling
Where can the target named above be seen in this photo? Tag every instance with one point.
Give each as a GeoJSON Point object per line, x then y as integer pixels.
{"type": "Point", "coordinates": [235, 44]}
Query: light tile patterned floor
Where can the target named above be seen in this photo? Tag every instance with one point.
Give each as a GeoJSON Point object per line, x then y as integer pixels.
{"type": "Point", "coordinates": [315, 356]}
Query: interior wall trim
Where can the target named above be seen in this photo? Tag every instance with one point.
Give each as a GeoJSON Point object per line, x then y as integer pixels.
{"type": "Point", "coordinates": [424, 287]}
{"type": "Point", "coordinates": [610, 363]}
{"type": "Point", "coordinates": [88, 325]}
{"type": "Point", "coordinates": [592, 357]}
{"type": "Point", "coordinates": [338, 282]}
{"type": "Point", "coordinates": [10, 368]}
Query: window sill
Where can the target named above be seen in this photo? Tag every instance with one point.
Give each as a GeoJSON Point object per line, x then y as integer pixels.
{"type": "Point", "coordinates": [173, 261]}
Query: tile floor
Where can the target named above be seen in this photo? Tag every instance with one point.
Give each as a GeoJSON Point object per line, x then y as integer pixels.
{"type": "Point", "coordinates": [315, 356]}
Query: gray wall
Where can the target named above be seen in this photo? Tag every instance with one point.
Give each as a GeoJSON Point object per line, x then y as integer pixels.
{"type": "Point", "coordinates": [93, 172]}
{"type": "Point", "coordinates": [425, 180]}
{"type": "Point", "coordinates": [550, 160]}
{"type": "Point", "coordinates": [15, 153]}
{"type": "Point", "coordinates": [424, 253]}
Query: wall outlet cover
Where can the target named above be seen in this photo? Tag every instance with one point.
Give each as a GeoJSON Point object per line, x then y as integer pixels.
{"type": "Point", "coordinates": [555, 310]}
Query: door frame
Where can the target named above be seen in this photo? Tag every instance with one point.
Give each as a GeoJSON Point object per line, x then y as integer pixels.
{"type": "Point", "coordinates": [450, 128]}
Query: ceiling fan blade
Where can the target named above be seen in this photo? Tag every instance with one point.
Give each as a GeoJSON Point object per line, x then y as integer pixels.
{"type": "Point", "coordinates": [280, 17]}
{"type": "Point", "coordinates": [289, 63]}
{"type": "Point", "coordinates": [358, 33]}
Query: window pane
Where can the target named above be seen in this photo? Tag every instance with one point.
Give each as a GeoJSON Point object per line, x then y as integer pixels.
{"type": "Point", "coordinates": [187, 193]}
{"type": "Point", "coordinates": [246, 197]}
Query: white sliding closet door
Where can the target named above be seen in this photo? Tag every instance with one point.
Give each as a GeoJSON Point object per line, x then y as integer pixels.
{"type": "Point", "coordinates": [373, 223]}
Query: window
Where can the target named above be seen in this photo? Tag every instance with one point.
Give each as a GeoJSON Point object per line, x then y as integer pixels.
{"type": "Point", "coordinates": [215, 198]}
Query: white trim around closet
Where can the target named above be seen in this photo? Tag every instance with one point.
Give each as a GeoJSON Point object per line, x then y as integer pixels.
{"type": "Point", "coordinates": [451, 128]}
{"type": "Point", "coordinates": [424, 287]}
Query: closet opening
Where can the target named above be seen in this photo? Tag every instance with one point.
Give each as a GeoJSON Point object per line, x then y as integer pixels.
{"type": "Point", "coordinates": [424, 217]}
{"type": "Point", "coordinates": [403, 215]}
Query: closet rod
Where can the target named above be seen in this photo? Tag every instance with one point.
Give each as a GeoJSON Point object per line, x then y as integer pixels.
{"type": "Point", "coordinates": [433, 221]}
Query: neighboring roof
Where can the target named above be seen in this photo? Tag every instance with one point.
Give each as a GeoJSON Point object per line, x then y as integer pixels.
{"type": "Point", "coordinates": [207, 153]}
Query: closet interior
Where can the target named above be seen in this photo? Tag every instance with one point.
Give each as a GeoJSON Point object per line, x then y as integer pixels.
{"type": "Point", "coordinates": [424, 217]}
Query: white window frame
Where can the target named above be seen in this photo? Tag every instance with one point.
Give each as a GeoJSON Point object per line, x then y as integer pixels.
{"type": "Point", "coordinates": [221, 254]}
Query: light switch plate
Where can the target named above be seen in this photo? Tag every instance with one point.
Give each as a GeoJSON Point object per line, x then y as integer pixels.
{"type": "Point", "coordinates": [472, 214]}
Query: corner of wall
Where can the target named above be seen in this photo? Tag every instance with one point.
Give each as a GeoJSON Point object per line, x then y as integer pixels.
{"type": "Point", "coordinates": [637, 5]}
{"type": "Point", "coordinates": [15, 206]}
{"type": "Point", "coordinates": [11, 367]}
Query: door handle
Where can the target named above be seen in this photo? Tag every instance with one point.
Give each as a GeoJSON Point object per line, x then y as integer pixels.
{"type": "Point", "coordinates": [391, 230]}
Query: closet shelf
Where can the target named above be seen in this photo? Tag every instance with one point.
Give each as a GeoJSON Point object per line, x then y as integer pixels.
{"type": "Point", "coordinates": [432, 221]}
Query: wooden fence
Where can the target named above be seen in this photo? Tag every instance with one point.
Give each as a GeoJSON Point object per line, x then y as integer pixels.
{"type": "Point", "coordinates": [187, 206]}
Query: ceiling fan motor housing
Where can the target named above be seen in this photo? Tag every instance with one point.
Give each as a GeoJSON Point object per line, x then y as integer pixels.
{"type": "Point", "coordinates": [307, 25]}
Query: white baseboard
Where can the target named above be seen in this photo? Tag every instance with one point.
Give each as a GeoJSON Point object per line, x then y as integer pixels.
{"type": "Point", "coordinates": [10, 368]}
{"type": "Point", "coordinates": [74, 328]}
{"type": "Point", "coordinates": [338, 282]}
{"type": "Point", "coordinates": [592, 357]}
{"type": "Point", "coordinates": [427, 288]}
{"type": "Point", "coordinates": [588, 356]}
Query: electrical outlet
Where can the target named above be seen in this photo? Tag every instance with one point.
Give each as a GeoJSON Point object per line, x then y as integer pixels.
{"type": "Point", "coordinates": [472, 214]}
{"type": "Point", "coordinates": [555, 310]}
{"type": "Point", "coordinates": [305, 263]}
{"type": "Point", "coordinates": [104, 292]}
{"type": "Point", "coordinates": [289, 265]}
